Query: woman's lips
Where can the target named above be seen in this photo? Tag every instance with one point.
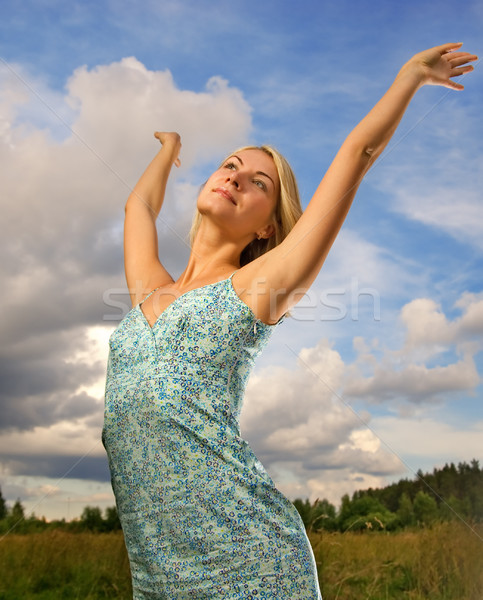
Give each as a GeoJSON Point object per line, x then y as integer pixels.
{"type": "Point", "coordinates": [226, 194]}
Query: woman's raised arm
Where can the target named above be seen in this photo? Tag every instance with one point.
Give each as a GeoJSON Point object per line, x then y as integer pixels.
{"type": "Point", "coordinates": [143, 268]}
{"type": "Point", "coordinates": [295, 263]}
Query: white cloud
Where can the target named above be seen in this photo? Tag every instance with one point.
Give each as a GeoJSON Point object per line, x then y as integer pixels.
{"type": "Point", "coordinates": [121, 105]}
{"type": "Point", "coordinates": [457, 211]}
{"type": "Point", "coordinates": [437, 441]}
{"type": "Point", "coordinates": [429, 332]}
{"type": "Point", "coordinates": [330, 484]}
{"type": "Point", "coordinates": [28, 104]}
{"type": "Point", "coordinates": [410, 373]}
{"type": "Point", "coordinates": [300, 429]}
{"type": "Point", "coordinates": [426, 324]}
{"type": "Point", "coordinates": [63, 200]}
{"type": "Point", "coordinates": [64, 438]}
{"type": "Point", "coordinates": [42, 490]}
{"type": "Point", "coordinates": [415, 383]}
{"type": "Point", "coordinates": [471, 323]}
{"type": "Point", "coordinates": [94, 352]}
{"type": "Point", "coordinates": [439, 182]}
{"type": "Point", "coordinates": [333, 485]}
{"type": "Point", "coordinates": [378, 272]}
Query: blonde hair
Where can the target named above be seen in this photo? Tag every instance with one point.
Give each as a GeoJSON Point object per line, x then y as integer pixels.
{"type": "Point", "coordinates": [288, 209]}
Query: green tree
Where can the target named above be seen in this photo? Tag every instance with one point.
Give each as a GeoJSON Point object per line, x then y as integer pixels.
{"type": "Point", "coordinates": [319, 515]}
{"type": "Point", "coordinates": [91, 519]}
{"type": "Point", "coordinates": [405, 511]}
{"type": "Point", "coordinates": [425, 508]}
{"type": "Point", "coordinates": [453, 508]}
{"type": "Point", "coordinates": [322, 516]}
{"type": "Point", "coordinates": [345, 510]}
{"type": "Point", "coordinates": [16, 518]}
{"type": "Point", "coordinates": [17, 512]}
{"type": "Point", "coordinates": [365, 511]}
{"type": "Point", "coordinates": [111, 520]}
{"type": "Point", "coordinates": [304, 508]}
{"type": "Point", "coordinates": [3, 507]}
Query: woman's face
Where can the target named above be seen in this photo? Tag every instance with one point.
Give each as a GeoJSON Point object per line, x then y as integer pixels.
{"type": "Point", "coordinates": [242, 194]}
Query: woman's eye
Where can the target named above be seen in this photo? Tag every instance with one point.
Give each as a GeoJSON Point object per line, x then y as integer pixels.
{"type": "Point", "coordinates": [230, 165]}
{"type": "Point", "coordinates": [260, 184]}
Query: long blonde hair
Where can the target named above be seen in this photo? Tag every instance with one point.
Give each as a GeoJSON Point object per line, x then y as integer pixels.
{"type": "Point", "coordinates": [288, 209]}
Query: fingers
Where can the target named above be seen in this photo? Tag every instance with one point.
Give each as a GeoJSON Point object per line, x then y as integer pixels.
{"type": "Point", "coordinates": [452, 85]}
{"type": "Point", "coordinates": [456, 72]}
{"type": "Point", "coordinates": [456, 58]}
{"type": "Point", "coordinates": [459, 67]}
{"type": "Point", "coordinates": [445, 48]}
{"type": "Point", "coordinates": [457, 61]}
{"type": "Point", "coordinates": [459, 58]}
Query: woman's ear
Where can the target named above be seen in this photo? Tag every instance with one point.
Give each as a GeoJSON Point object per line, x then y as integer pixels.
{"type": "Point", "coordinates": [266, 232]}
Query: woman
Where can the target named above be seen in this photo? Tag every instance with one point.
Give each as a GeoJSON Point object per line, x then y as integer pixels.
{"type": "Point", "coordinates": [201, 517]}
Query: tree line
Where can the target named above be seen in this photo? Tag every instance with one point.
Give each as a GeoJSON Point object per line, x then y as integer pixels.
{"type": "Point", "coordinates": [453, 492]}
{"type": "Point", "coordinates": [14, 520]}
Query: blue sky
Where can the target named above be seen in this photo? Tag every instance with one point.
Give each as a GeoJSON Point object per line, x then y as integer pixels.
{"type": "Point", "coordinates": [378, 372]}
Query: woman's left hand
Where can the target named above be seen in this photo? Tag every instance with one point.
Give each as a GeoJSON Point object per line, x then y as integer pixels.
{"type": "Point", "coordinates": [439, 64]}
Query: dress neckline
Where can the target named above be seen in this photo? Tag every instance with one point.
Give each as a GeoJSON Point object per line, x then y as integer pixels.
{"type": "Point", "coordinates": [197, 289]}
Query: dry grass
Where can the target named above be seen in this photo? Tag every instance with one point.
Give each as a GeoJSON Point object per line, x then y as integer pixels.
{"type": "Point", "coordinates": [441, 563]}
{"type": "Point", "coordinates": [61, 565]}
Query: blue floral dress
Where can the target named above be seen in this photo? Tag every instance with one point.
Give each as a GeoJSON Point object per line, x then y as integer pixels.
{"type": "Point", "coordinates": [200, 515]}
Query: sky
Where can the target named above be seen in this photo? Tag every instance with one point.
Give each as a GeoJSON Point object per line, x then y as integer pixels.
{"type": "Point", "coordinates": [378, 372]}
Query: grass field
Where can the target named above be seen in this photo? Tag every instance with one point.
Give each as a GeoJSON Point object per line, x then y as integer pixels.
{"type": "Point", "coordinates": [441, 563]}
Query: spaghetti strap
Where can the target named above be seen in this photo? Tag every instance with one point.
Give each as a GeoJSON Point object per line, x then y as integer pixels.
{"type": "Point", "coordinates": [150, 293]}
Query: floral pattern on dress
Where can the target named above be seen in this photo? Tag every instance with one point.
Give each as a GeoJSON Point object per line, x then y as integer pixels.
{"type": "Point", "coordinates": [201, 517]}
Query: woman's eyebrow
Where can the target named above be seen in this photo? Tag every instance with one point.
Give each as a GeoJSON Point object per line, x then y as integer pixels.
{"type": "Point", "coordinates": [258, 172]}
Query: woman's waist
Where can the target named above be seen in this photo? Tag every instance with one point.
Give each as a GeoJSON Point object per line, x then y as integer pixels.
{"type": "Point", "coordinates": [193, 374]}
{"type": "Point", "coordinates": [168, 426]}
{"type": "Point", "coordinates": [165, 396]}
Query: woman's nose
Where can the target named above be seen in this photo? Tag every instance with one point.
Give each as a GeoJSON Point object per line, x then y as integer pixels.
{"type": "Point", "coordinates": [233, 179]}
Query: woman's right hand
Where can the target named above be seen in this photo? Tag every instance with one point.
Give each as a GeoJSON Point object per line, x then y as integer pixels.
{"type": "Point", "coordinates": [173, 139]}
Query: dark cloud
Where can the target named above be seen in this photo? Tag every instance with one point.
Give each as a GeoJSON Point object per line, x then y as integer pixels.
{"type": "Point", "coordinates": [58, 466]}
{"type": "Point", "coordinates": [27, 412]}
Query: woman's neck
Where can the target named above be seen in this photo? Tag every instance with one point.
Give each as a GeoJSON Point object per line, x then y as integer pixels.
{"type": "Point", "coordinates": [212, 256]}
